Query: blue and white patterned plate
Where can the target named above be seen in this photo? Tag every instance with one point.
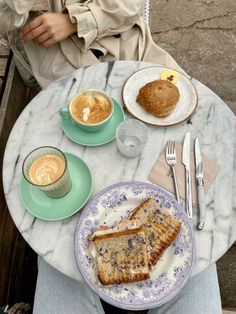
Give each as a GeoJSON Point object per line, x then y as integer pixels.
{"type": "Point", "coordinates": [171, 272]}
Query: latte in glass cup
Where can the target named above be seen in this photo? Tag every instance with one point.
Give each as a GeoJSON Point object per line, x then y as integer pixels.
{"type": "Point", "coordinates": [46, 168]}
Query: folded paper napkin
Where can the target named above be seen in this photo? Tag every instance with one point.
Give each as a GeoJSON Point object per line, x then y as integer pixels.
{"type": "Point", "coordinates": [161, 173]}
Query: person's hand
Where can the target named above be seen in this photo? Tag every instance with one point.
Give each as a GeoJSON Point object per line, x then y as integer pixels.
{"type": "Point", "coordinates": [48, 29]}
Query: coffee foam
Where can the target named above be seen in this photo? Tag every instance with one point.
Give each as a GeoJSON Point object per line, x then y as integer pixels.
{"type": "Point", "coordinates": [90, 108]}
{"type": "Point", "coordinates": [46, 169]}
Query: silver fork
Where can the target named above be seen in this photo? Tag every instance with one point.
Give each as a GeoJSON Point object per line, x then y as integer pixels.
{"type": "Point", "coordinates": [171, 161]}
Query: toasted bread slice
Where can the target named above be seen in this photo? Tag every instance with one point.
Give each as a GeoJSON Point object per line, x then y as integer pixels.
{"type": "Point", "coordinates": [160, 228]}
{"type": "Point", "coordinates": [121, 256]}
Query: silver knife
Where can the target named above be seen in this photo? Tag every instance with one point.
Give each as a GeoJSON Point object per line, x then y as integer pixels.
{"type": "Point", "coordinates": [188, 185]}
{"type": "Point", "coordinates": [200, 185]}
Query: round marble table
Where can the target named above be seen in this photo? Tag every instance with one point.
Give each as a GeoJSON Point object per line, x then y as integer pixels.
{"type": "Point", "coordinates": [39, 124]}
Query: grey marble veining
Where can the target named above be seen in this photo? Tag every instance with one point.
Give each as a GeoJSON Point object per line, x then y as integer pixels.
{"type": "Point", "coordinates": [39, 124]}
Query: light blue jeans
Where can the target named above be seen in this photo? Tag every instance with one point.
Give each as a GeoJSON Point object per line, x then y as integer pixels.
{"type": "Point", "coordinates": [59, 294]}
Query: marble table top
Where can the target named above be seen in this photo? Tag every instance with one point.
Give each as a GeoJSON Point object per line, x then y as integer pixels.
{"type": "Point", "coordinates": [39, 125]}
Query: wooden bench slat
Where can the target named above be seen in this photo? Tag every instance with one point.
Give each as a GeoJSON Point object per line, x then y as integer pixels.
{"type": "Point", "coordinates": [3, 66]}
{"type": "Point", "coordinates": [12, 245]}
{"type": "Point", "coordinates": [1, 84]}
{"type": "Point", "coordinates": [4, 48]}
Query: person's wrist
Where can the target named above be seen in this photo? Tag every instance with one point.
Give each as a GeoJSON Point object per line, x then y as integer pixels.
{"type": "Point", "coordinates": [73, 26]}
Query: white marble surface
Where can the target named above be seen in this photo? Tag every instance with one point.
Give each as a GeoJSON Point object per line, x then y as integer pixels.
{"type": "Point", "coordinates": [39, 124]}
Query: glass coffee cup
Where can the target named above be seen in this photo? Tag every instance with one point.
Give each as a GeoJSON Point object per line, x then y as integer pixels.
{"type": "Point", "coordinates": [46, 168]}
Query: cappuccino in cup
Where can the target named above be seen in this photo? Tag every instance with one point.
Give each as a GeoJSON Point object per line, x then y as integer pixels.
{"type": "Point", "coordinates": [91, 110]}
{"type": "Point", "coordinates": [46, 168]}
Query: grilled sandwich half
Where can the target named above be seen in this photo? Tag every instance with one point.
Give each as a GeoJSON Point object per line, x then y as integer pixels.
{"type": "Point", "coordinates": [121, 255]}
{"type": "Point", "coordinates": [159, 226]}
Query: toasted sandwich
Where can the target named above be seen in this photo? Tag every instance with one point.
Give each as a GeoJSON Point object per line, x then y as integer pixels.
{"type": "Point", "coordinates": [121, 254]}
{"type": "Point", "coordinates": [159, 226]}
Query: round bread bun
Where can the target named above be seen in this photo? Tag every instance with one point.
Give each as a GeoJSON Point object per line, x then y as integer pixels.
{"type": "Point", "coordinates": [159, 97]}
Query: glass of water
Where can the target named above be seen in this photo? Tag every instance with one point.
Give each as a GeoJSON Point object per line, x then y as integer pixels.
{"type": "Point", "coordinates": [131, 137]}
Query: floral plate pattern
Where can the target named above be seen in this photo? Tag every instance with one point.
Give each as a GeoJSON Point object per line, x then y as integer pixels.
{"type": "Point", "coordinates": [170, 273]}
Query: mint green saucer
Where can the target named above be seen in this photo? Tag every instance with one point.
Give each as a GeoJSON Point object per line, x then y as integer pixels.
{"type": "Point", "coordinates": [102, 137]}
{"type": "Point", "coordinates": [44, 207]}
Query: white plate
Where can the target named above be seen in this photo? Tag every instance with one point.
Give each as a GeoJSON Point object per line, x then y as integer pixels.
{"type": "Point", "coordinates": [171, 272]}
{"type": "Point", "coordinates": [186, 105]}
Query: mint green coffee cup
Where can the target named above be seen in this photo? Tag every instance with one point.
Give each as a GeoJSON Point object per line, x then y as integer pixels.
{"type": "Point", "coordinates": [90, 109]}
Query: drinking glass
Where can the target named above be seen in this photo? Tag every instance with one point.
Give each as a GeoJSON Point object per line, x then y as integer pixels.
{"type": "Point", "coordinates": [131, 137]}
{"type": "Point", "coordinates": [56, 189]}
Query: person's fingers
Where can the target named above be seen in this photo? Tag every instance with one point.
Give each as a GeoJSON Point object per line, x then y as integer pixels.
{"type": "Point", "coordinates": [48, 28]}
{"type": "Point", "coordinates": [33, 34]}
{"type": "Point", "coordinates": [32, 30]}
{"type": "Point", "coordinates": [42, 38]}
{"type": "Point", "coordinates": [30, 26]}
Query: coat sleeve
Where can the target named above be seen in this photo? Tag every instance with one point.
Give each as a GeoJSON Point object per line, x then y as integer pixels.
{"type": "Point", "coordinates": [14, 13]}
{"type": "Point", "coordinates": [101, 18]}
{"type": "Point", "coordinates": [9, 18]}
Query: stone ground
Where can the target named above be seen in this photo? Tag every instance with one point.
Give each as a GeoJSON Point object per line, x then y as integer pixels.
{"type": "Point", "coordinates": [201, 36]}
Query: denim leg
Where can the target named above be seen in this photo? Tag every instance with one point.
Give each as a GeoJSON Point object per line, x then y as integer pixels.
{"type": "Point", "coordinates": [201, 295]}
{"type": "Point", "coordinates": [57, 293]}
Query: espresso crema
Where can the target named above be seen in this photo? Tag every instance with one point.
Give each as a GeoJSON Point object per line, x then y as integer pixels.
{"type": "Point", "coordinates": [46, 169]}
{"type": "Point", "coordinates": [90, 108]}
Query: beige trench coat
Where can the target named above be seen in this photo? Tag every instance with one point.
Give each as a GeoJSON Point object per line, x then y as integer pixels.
{"type": "Point", "coordinates": [114, 27]}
